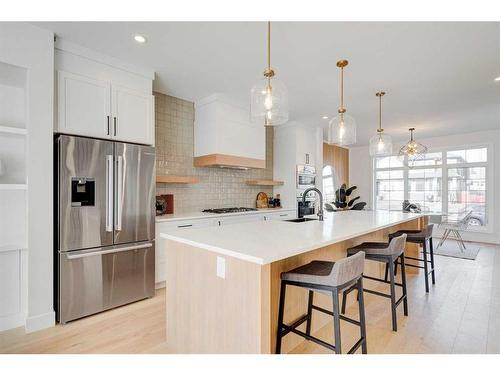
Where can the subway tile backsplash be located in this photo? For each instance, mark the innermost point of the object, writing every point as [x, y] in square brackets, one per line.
[218, 187]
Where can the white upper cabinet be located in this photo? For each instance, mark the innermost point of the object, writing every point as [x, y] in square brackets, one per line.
[101, 97]
[132, 115]
[84, 105]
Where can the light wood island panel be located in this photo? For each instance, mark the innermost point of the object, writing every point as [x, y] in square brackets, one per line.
[238, 314]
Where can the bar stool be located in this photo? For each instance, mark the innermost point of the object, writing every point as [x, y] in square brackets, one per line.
[420, 237]
[387, 253]
[328, 278]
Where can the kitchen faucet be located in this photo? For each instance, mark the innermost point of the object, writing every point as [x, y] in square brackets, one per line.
[320, 210]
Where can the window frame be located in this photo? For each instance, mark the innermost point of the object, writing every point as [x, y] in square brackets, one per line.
[489, 198]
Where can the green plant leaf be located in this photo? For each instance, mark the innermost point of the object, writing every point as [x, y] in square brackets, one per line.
[351, 202]
[350, 190]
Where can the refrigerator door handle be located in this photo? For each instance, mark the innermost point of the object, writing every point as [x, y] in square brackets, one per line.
[119, 192]
[109, 193]
[77, 255]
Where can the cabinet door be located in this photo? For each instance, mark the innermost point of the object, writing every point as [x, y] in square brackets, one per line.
[132, 116]
[84, 106]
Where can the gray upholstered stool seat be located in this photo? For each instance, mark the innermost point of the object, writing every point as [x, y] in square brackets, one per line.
[387, 253]
[373, 248]
[330, 278]
[421, 237]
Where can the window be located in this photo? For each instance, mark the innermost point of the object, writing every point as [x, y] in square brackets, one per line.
[329, 183]
[451, 181]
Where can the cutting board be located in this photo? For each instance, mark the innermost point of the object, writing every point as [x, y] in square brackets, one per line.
[262, 200]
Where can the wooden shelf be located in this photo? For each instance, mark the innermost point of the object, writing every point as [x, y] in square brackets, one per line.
[171, 179]
[264, 182]
[13, 130]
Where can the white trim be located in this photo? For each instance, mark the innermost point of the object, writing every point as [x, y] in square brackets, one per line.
[39, 322]
[75, 49]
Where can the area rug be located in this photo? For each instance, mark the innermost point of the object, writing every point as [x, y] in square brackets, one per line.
[451, 249]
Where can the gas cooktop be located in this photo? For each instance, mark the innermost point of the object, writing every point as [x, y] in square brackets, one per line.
[228, 210]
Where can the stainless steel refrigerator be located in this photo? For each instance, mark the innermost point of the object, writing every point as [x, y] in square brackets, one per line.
[105, 223]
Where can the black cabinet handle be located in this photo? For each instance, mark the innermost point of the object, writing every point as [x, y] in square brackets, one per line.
[114, 119]
[108, 125]
[184, 226]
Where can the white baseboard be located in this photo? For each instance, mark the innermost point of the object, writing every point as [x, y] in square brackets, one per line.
[42, 321]
[160, 285]
[12, 321]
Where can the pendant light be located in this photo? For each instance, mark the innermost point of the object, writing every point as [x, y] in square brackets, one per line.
[413, 150]
[269, 97]
[342, 128]
[380, 144]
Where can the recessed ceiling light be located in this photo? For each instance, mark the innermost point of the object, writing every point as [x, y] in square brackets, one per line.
[325, 117]
[140, 39]
[497, 79]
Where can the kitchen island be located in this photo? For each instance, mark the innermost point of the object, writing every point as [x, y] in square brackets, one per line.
[223, 282]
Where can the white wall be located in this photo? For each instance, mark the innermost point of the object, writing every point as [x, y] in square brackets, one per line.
[292, 142]
[361, 172]
[28, 46]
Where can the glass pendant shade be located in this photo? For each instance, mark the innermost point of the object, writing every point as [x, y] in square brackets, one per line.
[269, 102]
[342, 130]
[381, 145]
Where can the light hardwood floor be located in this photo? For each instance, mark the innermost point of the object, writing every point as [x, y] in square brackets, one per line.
[461, 314]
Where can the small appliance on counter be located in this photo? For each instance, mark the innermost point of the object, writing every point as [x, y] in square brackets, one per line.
[411, 207]
[262, 200]
[164, 204]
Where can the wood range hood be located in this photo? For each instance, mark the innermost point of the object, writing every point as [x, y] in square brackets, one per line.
[224, 137]
[228, 161]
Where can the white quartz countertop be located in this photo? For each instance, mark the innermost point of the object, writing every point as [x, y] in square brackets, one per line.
[206, 215]
[265, 242]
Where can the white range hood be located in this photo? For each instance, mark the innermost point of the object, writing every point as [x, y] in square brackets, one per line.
[225, 137]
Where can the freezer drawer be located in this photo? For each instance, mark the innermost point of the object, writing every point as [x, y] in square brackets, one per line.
[91, 281]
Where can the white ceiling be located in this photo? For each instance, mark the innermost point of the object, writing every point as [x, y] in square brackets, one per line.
[439, 77]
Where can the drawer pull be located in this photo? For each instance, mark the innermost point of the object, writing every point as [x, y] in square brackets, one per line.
[184, 226]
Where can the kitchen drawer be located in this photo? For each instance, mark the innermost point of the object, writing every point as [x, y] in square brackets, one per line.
[239, 219]
[282, 215]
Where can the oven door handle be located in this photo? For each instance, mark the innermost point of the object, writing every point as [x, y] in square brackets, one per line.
[87, 253]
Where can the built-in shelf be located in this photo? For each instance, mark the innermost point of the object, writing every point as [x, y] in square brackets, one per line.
[13, 186]
[13, 130]
[171, 179]
[5, 248]
[264, 182]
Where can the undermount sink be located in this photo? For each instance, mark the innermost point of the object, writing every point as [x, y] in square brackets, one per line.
[300, 220]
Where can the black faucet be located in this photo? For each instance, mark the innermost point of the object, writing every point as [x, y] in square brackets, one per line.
[320, 210]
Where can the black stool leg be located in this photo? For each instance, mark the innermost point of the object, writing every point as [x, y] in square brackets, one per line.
[362, 321]
[336, 321]
[393, 295]
[386, 275]
[280, 317]
[426, 269]
[431, 251]
[344, 297]
[309, 312]
[403, 282]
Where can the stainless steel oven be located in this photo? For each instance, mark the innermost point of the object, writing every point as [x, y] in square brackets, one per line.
[306, 176]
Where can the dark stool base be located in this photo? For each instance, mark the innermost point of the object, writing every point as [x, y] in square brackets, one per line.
[425, 261]
[284, 329]
[390, 271]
